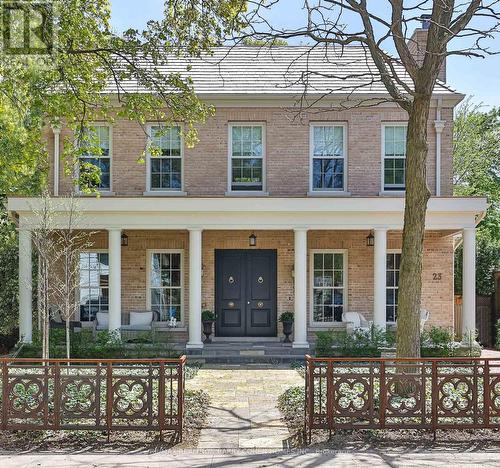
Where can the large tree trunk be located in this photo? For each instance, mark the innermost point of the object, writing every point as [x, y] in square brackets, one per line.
[417, 195]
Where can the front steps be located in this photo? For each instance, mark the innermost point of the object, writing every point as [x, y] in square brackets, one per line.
[247, 352]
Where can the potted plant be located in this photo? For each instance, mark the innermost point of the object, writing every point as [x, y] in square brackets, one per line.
[286, 318]
[208, 318]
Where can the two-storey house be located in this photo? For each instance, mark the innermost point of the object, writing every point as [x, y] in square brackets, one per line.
[273, 210]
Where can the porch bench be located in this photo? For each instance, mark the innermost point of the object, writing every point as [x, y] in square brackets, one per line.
[134, 321]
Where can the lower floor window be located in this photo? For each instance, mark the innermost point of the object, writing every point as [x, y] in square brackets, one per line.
[94, 284]
[165, 284]
[328, 286]
[392, 281]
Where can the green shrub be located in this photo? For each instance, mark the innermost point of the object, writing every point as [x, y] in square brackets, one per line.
[438, 342]
[207, 315]
[286, 317]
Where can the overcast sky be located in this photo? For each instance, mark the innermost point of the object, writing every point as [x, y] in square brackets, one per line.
[479, 78]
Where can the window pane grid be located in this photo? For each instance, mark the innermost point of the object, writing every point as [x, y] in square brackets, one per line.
[328, 287]
[246, 157]
[165, 285]
[392, 289]
[166, 168]
[101, 160]
[328, 157]
[394, 157]
[94, 284]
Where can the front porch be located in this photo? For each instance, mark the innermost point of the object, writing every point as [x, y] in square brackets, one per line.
[321, 262]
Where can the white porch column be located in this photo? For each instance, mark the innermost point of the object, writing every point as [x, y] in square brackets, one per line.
[115, 279]
[195, 252]
[25, 287]
[300, 287]
[379, 277]
[469, 284]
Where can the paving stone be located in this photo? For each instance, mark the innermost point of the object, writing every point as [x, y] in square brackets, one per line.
[242, 412]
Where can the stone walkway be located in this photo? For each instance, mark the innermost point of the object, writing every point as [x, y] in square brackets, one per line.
[243, 412]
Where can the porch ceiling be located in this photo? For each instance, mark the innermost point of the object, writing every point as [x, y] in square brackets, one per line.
[251, 213]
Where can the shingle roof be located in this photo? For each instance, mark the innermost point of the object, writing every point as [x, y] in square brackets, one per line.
[284, 70]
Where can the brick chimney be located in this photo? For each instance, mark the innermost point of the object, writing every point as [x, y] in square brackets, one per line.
[418, 41]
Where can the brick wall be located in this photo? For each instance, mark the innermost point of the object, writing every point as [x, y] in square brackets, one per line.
[287, 152]
[437, 295]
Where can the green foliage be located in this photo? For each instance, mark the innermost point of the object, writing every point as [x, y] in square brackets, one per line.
[207, 315]
[274, 42]
[291, 405]
[286, 317]
[476, 161]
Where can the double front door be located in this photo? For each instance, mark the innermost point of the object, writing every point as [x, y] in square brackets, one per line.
[245, 292]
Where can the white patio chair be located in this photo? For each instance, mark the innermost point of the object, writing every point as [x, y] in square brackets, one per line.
[424, 316]
[356, 321]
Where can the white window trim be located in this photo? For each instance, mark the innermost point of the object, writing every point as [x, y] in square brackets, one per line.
[79, 289]
[111, 165]
[312, 323]
[149, 253]
[163, 192]
[389, 251]
[328, 191]
[246, 193]
[383, 191]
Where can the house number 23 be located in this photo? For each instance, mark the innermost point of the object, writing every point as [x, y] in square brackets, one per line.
[436, 276]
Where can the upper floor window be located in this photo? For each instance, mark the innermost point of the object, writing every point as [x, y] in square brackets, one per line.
[392, 285]
[96, 152]
[165, 158]
[246, 151]
[328, 157]
[394, 156]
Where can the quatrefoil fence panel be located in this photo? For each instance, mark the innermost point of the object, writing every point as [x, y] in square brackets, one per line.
[381, 393]
[107, 395]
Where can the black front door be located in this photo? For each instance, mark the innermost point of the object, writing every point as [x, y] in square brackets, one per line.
[245, 292]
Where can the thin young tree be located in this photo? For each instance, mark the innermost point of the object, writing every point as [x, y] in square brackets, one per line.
[455, 28]
[48, 254]
[70, 242]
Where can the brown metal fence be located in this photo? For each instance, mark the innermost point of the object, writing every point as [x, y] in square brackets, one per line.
[89, 394]
[378, 393]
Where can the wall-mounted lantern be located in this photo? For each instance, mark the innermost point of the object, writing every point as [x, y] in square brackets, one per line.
[252, 240]
[124, 240]
[370, 240]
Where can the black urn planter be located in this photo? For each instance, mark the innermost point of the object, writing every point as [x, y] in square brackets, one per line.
[207, 330]
[287, 330]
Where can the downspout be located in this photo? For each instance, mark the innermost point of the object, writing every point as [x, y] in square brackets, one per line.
[439, 126]
[57, 134]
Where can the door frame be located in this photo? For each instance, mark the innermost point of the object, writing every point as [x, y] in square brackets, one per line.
[274, 299]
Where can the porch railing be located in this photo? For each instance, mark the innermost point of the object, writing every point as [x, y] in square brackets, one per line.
[385, 393]
[89, 394]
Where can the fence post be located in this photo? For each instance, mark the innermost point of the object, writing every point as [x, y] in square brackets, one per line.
[161, 399]
[486, 393]
[109, 398]
[180, 396]
[57, 396]
[329, 396]
[310, 396]
[383, 395]
[435, 398]
[5, 393]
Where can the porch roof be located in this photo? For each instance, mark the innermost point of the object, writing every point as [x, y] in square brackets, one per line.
[250, 212]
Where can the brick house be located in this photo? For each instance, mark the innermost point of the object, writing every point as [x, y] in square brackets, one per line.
[273, 210]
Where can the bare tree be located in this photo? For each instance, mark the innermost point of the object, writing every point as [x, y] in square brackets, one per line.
[45, 243]
[69, 243]
[454, 28]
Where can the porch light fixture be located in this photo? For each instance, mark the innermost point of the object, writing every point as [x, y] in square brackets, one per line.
[370, 240]
[124, 240]
[252, 240]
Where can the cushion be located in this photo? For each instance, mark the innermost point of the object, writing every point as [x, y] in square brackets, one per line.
[141, 319]
[102, 319]
[56, 315]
